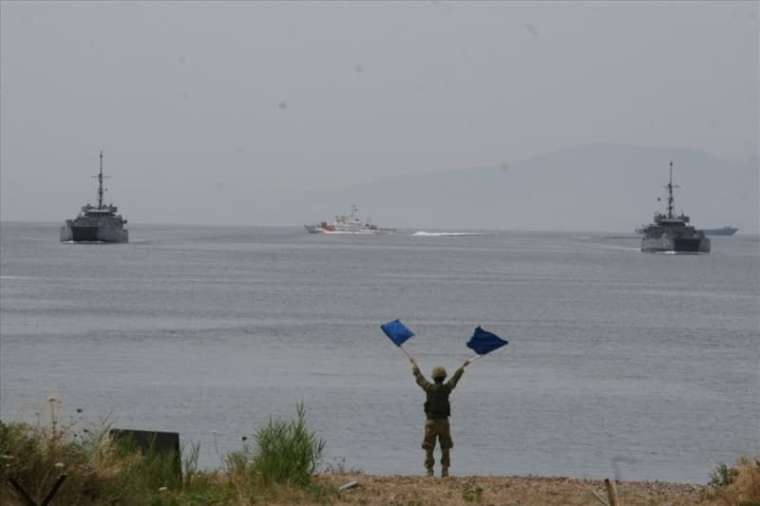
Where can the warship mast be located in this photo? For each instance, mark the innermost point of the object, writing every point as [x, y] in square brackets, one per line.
[670, 187]
[100, 182]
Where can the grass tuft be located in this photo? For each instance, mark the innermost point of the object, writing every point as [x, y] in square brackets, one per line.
[284, 458]
[723, 475]
[287, 452]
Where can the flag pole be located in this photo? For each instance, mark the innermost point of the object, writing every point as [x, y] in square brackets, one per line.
[473, 359]
[407, 353]
[476, 357]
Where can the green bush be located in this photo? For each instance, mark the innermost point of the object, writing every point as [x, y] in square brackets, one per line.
[287, 452]
[723, 475]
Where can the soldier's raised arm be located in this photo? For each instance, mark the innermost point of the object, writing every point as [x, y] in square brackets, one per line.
[457, 375]
[419, 378]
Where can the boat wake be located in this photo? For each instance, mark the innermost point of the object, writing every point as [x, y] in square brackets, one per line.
[619, 248]
[422, 233]
[681, 253]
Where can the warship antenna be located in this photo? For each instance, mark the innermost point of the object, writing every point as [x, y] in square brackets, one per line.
[100, 182]
[670, 187]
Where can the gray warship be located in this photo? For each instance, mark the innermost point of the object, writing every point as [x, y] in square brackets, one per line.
[96, 223]
[671, 233]
[725, 230]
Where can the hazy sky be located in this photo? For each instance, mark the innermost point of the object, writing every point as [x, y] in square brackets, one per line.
[223, 102]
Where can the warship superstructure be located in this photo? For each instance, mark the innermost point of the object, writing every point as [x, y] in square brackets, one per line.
[671, 233]
[96, 223]
[347, 224]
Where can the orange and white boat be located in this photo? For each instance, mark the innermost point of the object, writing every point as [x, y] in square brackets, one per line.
[348, 224]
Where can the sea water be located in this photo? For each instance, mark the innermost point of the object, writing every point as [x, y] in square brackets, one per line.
[619, 362]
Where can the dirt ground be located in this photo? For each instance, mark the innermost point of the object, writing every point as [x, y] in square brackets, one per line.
[510, 491]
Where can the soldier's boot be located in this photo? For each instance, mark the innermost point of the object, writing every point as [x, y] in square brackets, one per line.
[445, 462]
[429, 461]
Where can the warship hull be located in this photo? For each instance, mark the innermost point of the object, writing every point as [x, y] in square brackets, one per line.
[675, 244]
[103, 232]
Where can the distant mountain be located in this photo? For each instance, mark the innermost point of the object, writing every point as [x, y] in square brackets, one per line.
[604, 187]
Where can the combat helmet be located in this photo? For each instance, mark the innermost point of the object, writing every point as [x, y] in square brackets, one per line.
[439, 373]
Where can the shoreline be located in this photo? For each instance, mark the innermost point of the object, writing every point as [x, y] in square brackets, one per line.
[281, 468]
[510, 490]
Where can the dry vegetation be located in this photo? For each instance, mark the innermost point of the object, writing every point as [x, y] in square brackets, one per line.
[739, 485]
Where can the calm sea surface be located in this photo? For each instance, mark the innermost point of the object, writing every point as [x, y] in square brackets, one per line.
[643, 363]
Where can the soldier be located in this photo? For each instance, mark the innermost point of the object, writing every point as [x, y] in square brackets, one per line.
[437, 411]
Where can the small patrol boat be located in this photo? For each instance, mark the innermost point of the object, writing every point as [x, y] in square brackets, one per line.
[96, 223]
[348, 224]
[671, 233]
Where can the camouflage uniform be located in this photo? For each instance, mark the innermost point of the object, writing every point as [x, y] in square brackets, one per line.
[437, 411]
